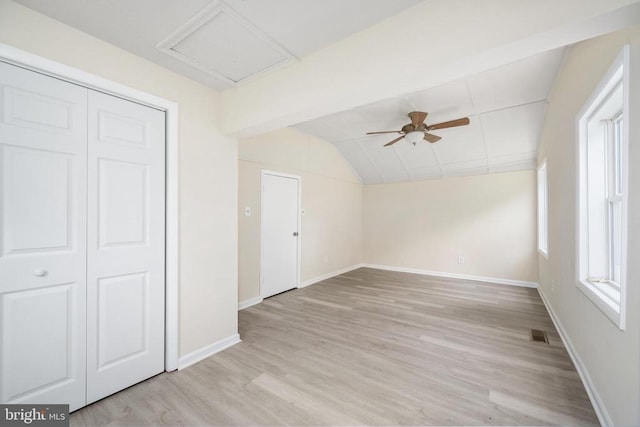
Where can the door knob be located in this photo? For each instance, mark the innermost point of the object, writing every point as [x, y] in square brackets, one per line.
[295, 233]
[40, 272]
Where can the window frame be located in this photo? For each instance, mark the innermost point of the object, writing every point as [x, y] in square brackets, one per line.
[543, 209]
[608, 296]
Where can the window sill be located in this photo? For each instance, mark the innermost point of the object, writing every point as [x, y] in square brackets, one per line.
[603, 300]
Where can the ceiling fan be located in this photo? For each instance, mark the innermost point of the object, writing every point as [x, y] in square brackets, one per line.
[418, 130]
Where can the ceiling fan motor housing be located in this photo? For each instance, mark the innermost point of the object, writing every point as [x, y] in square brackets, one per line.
[411, 128]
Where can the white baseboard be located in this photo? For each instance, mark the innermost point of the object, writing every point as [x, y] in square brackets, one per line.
[497, 280]
[598, 405]
[249, 302]
[210, 350]
[329, 275]
[257, 300]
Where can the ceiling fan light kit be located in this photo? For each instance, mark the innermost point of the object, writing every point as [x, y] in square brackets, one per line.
[417, 130]
[414, 137]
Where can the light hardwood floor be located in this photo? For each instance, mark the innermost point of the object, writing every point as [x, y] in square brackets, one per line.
[372, 347]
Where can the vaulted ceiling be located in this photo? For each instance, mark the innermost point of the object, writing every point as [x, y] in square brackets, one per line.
[340, 68]
[506, 108]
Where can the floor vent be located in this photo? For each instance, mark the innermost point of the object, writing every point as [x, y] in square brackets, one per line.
[539, 336]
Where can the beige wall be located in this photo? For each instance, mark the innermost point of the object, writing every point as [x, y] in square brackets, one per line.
[611, 357]
[426, 225]
[208, 167]
[331, 234]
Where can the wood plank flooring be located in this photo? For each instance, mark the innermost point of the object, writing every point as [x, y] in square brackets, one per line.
[372, 347]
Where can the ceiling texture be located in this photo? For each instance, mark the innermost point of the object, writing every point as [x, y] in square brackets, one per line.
[506, 107]
[230, 45]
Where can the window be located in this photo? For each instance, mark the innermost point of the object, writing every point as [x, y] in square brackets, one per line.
[602, 200]
[542, 210]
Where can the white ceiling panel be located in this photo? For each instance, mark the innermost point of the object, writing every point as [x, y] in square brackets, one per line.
[513, 158]
[514, 162]
[390, 114]
[417, 156]
[515, 165]
[399, 177]
[388, 164]
[222, 43]
[384, 158]
[460, 144]
[443, 103]
[513, 130]
[472, 167]
[426, 173]
[321, 22]
[522, 82]
[359, 161]
[352, 124]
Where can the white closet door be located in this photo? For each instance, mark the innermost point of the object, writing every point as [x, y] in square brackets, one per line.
[42, 238]
[125, 282]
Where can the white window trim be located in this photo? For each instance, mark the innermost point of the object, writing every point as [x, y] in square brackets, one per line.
[543, 215]
[598, 293]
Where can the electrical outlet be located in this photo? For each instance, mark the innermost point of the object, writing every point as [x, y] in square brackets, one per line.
[460, 259]
[326, 259]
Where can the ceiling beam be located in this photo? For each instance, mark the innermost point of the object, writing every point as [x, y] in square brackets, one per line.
[430, 44]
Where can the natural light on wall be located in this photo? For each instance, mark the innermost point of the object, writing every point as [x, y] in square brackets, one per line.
[602, 196]
[543, 221]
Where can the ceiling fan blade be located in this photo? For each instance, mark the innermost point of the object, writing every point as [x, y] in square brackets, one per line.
[431, 137]
[449, 124]
[394, 141]
[384, 131]
[417, 118]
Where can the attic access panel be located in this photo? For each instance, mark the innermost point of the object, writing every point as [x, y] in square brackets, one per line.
[223, 44]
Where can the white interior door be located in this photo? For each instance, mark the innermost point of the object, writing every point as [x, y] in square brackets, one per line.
[279, 234]
[42, 238]
[125, 258]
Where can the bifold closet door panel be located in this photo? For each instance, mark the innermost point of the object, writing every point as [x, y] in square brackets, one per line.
[43, 130]
[125, 255]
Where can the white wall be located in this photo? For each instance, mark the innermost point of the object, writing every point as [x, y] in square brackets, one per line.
[611, 357]
[207, 169]
[426, 225]
[331, 233]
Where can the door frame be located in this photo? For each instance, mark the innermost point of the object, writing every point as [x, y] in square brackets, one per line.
[30, 61]
[298, 178]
